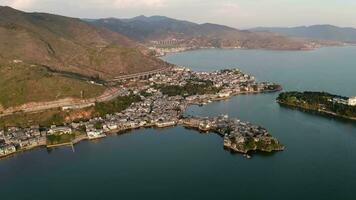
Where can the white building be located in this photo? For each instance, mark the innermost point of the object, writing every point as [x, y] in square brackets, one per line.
[165, 124]
[352, 101]
[95, 134]
[60, 130]
[224, 94]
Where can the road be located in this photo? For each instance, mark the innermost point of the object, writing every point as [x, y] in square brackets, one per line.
[142, 74]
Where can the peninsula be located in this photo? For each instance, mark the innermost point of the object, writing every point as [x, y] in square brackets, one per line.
[157, 101]
[321, 103]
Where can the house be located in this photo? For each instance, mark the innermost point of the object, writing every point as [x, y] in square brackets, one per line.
[165, 124]
[352, 101]
[7, 149]
[60, 130]
[340, 100]
[95, 134]
[112, 126]
[224, 94]
[205, 126]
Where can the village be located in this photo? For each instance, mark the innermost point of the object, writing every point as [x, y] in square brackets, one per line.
[164, 99]
[238, 136]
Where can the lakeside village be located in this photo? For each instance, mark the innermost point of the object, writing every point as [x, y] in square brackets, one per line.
[163, 100]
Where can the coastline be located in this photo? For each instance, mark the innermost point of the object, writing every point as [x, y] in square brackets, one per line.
[235, 48]
[164, 107]
[316, 111]
[262, 49]
[152, 125]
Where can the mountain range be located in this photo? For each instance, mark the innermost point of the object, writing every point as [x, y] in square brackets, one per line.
[45, 57]
[70, 45]
[318, 32]
[159, 28]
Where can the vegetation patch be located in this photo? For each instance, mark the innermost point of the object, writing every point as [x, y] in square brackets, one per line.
[117, 105]
[145, 94]
[318, 101]
[46, 118]
[60, 139]
[21, 84]
[193, 87]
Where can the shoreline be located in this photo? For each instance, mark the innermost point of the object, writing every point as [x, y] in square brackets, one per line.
[261, 49]
[234, 48]
[324, 113]
[22, 151]
[227, 144]
[147, 126]
[164, 108]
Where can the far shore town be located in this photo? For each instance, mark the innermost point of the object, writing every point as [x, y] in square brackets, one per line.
[164, 98]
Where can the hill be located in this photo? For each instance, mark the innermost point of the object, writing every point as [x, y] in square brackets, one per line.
[20, 84]
[70, 45]
[164, 31]
[318, 32]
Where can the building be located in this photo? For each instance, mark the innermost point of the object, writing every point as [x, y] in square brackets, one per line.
[205, 126]
[340, 100]
[60, 130]
[7, 149]
[95, 134]
[224, 94]
[165, 124]
[352, 101]
[110, 127]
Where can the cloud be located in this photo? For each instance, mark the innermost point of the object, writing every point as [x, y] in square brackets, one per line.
[139, 3]
[21, 4]
[228, 8]
[238, 13]
[117, 4]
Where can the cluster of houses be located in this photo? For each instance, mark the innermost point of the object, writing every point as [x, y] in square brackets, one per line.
[235, 132]
[352, 101]
[154, 110]
[346, 101]
[15, 138]
[230, 82]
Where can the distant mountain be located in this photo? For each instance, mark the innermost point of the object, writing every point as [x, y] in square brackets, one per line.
[158, 28]
[318, 32]
[70, 45]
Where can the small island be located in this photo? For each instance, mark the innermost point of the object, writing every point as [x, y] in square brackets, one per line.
[321, 103]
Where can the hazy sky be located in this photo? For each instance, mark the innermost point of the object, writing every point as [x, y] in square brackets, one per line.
[236, 13]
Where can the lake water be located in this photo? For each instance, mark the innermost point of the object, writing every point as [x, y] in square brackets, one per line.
[319, 161]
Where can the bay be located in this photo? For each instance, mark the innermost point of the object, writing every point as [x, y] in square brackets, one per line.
[318, 163]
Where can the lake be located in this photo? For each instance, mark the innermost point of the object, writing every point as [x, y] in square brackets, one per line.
[319, 161]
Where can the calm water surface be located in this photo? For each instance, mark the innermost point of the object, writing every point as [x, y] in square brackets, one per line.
[319, 162]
